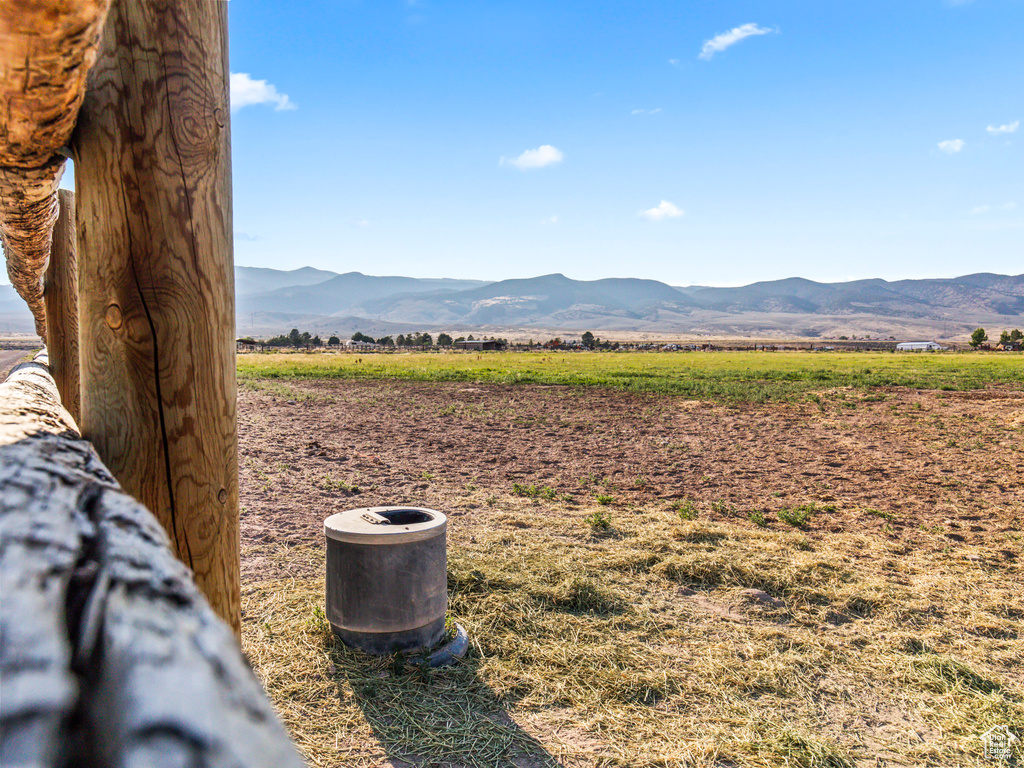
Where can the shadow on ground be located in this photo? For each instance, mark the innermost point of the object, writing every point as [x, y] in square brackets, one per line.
[436, 717]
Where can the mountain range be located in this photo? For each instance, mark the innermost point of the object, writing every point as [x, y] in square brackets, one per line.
[271, 301]
[14, 315]
[943, 308]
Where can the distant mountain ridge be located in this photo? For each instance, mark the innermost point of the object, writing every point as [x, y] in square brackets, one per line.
[271, 301]
[529, 301]
[14, 314]
[999, 294]
[337, 294]
[256, 280]
[950, 306]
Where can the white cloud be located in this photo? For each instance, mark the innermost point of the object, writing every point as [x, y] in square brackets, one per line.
[1009, 206]
[535, 158]
[645, 111]
[664, 210]
[245, 236]
[245, 92]
[719, 43]
[951, 146]
[673, 62]
[360, 222]
[1008, 128]
[550, 220]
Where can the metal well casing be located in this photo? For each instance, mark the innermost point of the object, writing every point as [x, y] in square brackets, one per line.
[387, 584]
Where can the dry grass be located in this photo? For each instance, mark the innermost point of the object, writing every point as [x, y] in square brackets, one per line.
[636, 646]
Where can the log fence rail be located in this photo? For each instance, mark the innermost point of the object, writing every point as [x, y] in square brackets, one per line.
[110, 655]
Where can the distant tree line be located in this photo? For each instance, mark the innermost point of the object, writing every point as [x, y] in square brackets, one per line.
[587, 341]
[420, 340]
[305, 340]
[295, 339]
[417, 340]
[979, 337]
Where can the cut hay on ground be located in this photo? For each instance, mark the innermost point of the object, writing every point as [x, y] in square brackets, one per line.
[637, 646]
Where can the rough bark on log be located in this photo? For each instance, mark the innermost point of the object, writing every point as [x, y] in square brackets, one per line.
[109, 655]
[46, 49]
[60, 292]
[28, 210]
[153, 197]
[38, 555]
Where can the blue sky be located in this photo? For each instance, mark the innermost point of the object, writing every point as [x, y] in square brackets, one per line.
[695, 143]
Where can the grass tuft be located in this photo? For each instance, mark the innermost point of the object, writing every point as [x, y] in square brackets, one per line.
[534, 492]
[946, 674]
[599, 520]
[686, 510]
[798, 517]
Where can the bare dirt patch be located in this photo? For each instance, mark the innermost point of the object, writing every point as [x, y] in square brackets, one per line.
[936, 470]
[880, 625]
[10, 358]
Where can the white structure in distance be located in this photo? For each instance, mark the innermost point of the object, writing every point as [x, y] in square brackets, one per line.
[919, 346]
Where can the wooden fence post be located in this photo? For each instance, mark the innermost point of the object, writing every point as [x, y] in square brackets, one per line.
[156, 275]
[60, 297]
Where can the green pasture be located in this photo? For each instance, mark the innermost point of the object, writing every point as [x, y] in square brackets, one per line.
[743, 376]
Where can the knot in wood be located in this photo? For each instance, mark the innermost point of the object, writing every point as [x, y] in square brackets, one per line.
[197, 125]
[114, 317]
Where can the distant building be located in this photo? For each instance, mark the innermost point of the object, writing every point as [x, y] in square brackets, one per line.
[360, 345]
[479, 344]
[919, 346]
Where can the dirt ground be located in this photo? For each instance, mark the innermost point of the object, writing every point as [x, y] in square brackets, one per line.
[10, 358]
[937, 470]
[900, 587]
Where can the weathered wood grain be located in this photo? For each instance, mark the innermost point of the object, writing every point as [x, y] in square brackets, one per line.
[153, 197]
[109, 655]
[60, 294]
[46, 49]
[38, 555]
